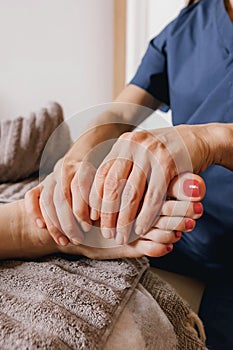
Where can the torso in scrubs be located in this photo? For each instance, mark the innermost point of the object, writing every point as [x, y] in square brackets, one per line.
[189, 67]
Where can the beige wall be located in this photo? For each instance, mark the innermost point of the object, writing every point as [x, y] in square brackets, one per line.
[55, 50]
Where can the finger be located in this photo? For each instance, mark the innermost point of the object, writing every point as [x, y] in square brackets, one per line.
[66, 218]
[153, 200]
[193, 210]
[130, 202]
[65, 171]
[113, 187]
[50, 217]
[96, 193]
[80, 189]
[175, 224]
[187, 186]
[32, 206]
[162, 236]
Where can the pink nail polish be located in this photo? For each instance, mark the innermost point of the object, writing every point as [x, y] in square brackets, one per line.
[178, 234]
[169, 248]
[191, 188]
[189, 224]
[197, 207]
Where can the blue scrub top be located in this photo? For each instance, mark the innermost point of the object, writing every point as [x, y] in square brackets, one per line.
[189, 67]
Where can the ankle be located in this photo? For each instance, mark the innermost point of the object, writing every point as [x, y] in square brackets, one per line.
[33, 240]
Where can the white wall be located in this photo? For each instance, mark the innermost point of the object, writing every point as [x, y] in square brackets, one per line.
[145, 19]
[55, 50]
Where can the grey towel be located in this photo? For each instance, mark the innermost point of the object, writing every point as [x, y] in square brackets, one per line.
[22, 142]
[58, 303]
[25, 150]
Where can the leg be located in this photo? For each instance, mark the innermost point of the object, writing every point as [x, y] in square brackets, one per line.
[18, 238]
[216, 312]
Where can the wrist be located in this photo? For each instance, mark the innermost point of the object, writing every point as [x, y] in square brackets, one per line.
[199, 142]
[220, 138]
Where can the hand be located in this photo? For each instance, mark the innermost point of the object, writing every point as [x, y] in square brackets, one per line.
[159, 241]
[132, 181]
[51, 203]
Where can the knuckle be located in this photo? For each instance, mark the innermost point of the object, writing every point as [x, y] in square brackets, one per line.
[106, 217]
[30, 194]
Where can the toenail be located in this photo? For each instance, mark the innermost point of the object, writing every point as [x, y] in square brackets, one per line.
[189, 224]
[197, 207]
[191, 188]
[178, 234]
[169, 248]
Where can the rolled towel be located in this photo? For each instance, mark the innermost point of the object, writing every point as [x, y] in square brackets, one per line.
[23, 140]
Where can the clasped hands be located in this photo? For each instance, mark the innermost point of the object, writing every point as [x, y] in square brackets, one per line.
[143, 186]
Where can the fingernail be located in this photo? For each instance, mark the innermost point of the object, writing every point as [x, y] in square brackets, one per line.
[119, 239]
[107, 232]
[197, 207]
[63, 240]
[169, 248]
[189, 224]
[138, 230]
[178, 234]
[191, 188]
[40, 223]
[85, 226]
[94, 215]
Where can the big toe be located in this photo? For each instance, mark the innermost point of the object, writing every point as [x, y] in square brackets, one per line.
[187, 186]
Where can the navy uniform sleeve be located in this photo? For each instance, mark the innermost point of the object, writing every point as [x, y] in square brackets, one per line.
[152, 73]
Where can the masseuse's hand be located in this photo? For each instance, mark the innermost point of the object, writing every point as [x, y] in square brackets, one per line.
[132, 182]
[51, 204]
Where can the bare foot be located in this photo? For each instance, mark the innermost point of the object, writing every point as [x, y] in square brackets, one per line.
[20, 238]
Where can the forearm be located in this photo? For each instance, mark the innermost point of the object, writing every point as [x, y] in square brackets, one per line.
[106, 127]
[208, 144]
[131, 107]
